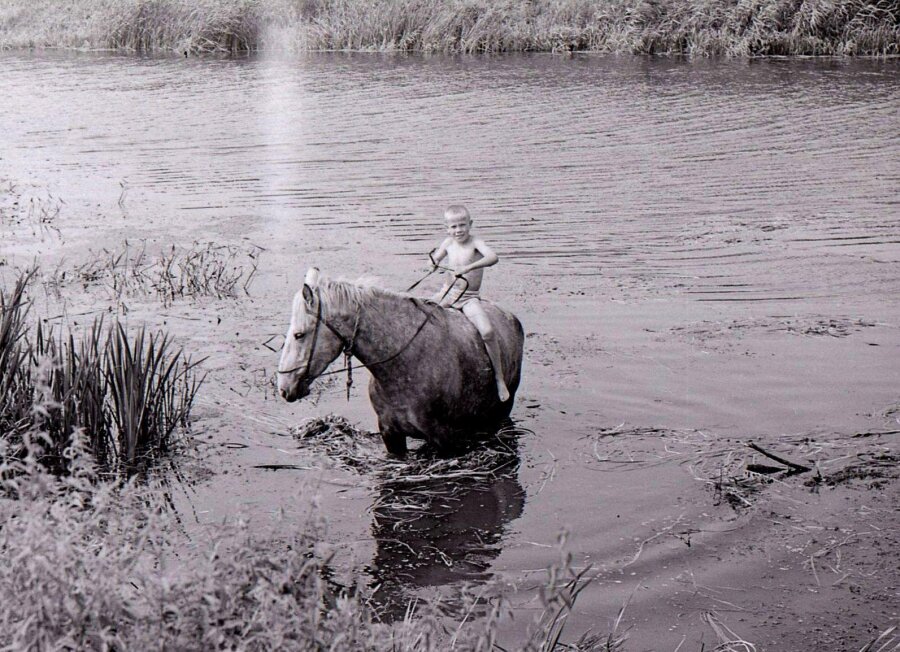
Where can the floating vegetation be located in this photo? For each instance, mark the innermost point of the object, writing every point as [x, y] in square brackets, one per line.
[712, 28]
[411, 487]
[731, 468]
[432, 516]
[722, 335]
[339, 440]
[363, 451]
[30, 207]
[875, 469]
[202, 270]
[128, 393]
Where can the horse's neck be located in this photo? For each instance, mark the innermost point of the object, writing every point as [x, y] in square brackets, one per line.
[387, 324]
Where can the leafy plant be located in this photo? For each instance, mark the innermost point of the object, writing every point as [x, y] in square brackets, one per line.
[128, 393]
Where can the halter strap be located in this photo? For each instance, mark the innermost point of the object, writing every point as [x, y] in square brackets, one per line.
[348, 344]
[312, 349]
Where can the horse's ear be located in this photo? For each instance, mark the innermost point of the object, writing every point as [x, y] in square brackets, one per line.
[307, 295]
[312, 277]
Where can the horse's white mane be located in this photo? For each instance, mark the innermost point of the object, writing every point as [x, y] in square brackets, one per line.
[341, 295]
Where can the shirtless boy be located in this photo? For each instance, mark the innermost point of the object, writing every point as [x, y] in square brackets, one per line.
[467, 255]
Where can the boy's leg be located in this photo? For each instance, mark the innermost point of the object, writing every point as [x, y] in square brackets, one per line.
[473, 310]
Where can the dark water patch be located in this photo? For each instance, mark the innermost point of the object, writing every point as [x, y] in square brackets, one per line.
[435, 520]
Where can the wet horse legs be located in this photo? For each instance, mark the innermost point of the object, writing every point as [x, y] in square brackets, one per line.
[394, 442]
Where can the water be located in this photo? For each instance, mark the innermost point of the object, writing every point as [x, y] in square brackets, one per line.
[671, 233]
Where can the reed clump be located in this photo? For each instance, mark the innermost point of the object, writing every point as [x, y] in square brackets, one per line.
[705, 28]
[129, 393]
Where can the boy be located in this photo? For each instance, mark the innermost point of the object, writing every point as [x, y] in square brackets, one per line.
[467, 255]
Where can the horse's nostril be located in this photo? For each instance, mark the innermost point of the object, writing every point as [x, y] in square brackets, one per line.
[284, 393]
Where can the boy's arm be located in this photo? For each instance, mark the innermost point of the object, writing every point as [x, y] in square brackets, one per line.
[488, 258]
[441, 252]
[436, 257]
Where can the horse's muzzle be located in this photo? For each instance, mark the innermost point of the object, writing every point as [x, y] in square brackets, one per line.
[294, 392]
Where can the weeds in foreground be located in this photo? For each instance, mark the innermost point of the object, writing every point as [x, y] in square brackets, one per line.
[128, 393]
[706, 28]
[104, 565]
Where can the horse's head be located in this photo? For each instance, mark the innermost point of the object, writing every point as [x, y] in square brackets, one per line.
[310, 345]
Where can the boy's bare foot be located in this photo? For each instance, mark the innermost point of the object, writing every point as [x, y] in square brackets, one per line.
[502, 391]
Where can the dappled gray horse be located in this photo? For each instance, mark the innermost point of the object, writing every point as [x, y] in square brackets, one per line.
[431, 375]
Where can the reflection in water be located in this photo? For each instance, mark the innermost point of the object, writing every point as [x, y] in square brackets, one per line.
[443, 529]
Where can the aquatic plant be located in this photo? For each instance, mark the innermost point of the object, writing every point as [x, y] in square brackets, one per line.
[69, 392]
[150, 392]
[30, 207]
[16, 389]
[708, 27]
[176, 272]
[128, 393]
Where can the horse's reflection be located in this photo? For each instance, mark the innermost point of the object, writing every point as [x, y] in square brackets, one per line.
[443, 529]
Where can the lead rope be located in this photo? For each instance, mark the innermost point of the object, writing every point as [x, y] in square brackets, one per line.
[347, 363]
[348, 353]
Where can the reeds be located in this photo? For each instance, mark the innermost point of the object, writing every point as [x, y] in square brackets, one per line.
[30, 207]
[706, 28]
[128, 393]
[201, 270]
[16, 388]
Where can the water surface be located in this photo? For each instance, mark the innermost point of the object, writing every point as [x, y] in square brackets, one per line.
[703, 245]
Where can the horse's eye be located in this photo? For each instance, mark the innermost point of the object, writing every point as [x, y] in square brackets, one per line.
[299, 335]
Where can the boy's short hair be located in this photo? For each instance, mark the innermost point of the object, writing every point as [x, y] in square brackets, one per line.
[457, 210]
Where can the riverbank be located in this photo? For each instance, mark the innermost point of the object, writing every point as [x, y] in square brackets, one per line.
[711, 28]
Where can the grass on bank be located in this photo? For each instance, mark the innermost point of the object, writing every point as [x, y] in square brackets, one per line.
[705, 27]
[129, 392]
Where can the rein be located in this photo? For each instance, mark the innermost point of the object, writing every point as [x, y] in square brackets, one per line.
[435, 267]
[347, 349]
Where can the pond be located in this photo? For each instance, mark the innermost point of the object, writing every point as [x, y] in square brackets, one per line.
[703, 248]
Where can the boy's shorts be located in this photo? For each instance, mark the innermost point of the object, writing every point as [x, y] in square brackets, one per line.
[464, 298]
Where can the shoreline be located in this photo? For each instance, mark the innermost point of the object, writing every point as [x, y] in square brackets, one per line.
[669, 27]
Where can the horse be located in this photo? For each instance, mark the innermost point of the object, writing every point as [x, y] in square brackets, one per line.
[431, 378]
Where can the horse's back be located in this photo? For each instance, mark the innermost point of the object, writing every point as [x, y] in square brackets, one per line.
[508, 330]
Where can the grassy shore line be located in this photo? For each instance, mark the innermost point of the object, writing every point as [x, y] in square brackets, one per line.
[703, 28]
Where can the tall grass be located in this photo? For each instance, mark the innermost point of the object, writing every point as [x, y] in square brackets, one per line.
[704, 27]
[129, 393]
[150, 391]
[16, 388]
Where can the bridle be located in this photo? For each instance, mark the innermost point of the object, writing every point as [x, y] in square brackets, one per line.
[436, 267]
[348, 345]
